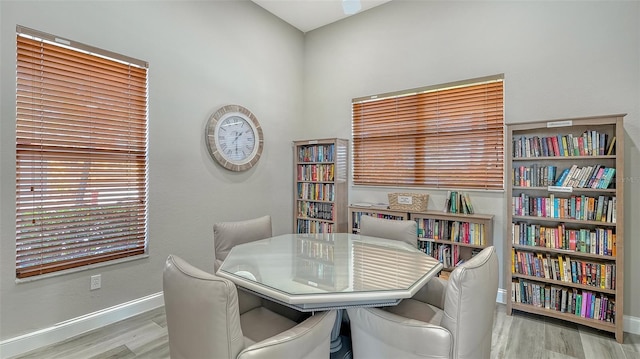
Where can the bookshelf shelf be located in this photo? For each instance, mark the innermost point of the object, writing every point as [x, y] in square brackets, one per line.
[472, 232]
[597, 324]
[565, 220]
[562, 251]
[586, 190]
[320, 185]
[563, 283]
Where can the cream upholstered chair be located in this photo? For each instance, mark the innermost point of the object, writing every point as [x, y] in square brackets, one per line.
[204, 321]
[445, 319]
[405, 231]
[226, 235]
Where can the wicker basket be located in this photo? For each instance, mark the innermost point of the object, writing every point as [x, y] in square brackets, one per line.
[416, 202]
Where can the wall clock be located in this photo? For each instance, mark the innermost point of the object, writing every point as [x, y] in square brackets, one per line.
[234, 138]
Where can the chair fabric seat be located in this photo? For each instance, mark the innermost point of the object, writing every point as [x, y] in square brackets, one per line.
[260, 323]
[415, 309]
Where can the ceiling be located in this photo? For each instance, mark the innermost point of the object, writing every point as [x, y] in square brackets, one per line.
[307, 15]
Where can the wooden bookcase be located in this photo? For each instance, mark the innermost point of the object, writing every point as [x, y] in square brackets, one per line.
[320, 185]
[355, 212]
[448, 237]
[564, 236]
[453, 238]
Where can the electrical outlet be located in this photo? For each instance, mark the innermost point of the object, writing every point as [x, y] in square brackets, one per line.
[96, 281]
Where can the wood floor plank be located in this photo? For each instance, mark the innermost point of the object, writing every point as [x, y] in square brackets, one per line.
[501, 328]
[599, 346]
[119, 352]
[630, 354]
[631, 342]
[563, 338]
[526, 337]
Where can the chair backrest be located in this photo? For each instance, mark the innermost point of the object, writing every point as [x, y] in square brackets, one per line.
[202, 312]
[469, 304]
[405, 231]
[228, 234]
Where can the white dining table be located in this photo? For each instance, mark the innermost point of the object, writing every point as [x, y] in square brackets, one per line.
[315, 272]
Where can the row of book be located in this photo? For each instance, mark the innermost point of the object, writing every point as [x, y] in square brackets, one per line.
[316, 191]
[311, 226]
[448, 255]
[590, 143]
[455, 231]
[316, 172]
[315, 250]
[316, 210]
[357, 215]
[534, 176]
[582, 303]
[600, 241]
[316, 153]
[596, 177]
[564, 268]
[585, 208]
[458, 202]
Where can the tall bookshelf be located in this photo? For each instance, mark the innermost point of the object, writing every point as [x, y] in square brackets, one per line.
[320, 185]
[565, 232]
[451, 238]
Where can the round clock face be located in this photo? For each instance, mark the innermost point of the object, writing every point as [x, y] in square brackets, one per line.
[234, 138]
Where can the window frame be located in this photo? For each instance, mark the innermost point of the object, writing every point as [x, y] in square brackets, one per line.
[81, 156]
[395, 134]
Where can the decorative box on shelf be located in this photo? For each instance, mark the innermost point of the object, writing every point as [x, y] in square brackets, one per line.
[416, 202]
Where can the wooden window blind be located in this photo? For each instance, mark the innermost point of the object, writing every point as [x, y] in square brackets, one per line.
[81, 155]
[445, 136]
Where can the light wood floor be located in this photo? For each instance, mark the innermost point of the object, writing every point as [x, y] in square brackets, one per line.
[518, 336]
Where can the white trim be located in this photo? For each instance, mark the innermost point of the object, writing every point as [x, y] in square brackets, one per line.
[501, 296]
[76, 326]
[631, 324]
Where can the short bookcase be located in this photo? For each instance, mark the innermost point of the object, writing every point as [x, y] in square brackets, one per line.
[451, 238]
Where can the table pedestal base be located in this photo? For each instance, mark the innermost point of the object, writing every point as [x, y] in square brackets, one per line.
[340, 344]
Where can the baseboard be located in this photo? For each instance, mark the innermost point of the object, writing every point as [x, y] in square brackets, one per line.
[68, 329]
[76, 326]
[631, 324]
[501, 297]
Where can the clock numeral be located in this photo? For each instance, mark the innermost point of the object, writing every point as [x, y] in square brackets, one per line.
[223, 145]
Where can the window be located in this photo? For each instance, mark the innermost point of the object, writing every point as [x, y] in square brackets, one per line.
[444, 136]
[81, 155]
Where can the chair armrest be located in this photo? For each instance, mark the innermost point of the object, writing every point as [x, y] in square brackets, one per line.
[309, 339]
[378, 333]
[433, 292]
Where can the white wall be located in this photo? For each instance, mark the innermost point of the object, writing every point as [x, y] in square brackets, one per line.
[559, 59]
[202, 55]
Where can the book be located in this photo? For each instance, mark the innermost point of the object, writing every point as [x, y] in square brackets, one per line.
[563, 177]
[612, 147]
[607, 177]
